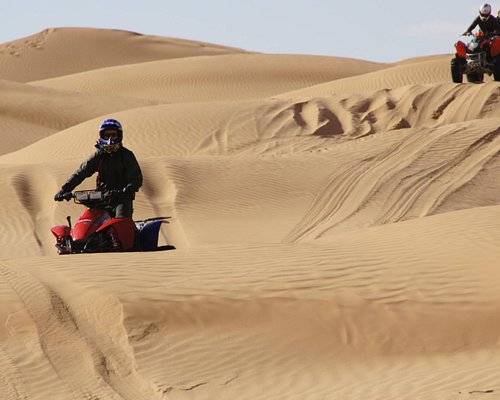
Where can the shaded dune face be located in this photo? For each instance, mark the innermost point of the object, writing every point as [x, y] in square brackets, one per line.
[335, 224]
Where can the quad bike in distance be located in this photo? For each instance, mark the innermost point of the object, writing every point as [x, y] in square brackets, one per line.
[478, 57]
[96, 231]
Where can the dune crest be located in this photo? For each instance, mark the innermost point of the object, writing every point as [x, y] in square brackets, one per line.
[63, 51]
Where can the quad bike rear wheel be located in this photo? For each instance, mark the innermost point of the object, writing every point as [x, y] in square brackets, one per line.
[496, 68]
[456, 70]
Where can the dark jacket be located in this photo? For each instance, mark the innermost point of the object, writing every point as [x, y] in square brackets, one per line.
[116, 171]
[489, 26]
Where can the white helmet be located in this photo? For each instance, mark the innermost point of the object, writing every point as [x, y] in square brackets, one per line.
[485, 11]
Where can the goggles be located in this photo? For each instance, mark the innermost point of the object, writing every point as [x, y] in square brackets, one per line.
[109, 135]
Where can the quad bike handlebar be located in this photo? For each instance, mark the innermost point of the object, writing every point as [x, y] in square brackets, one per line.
[481, 35]
[91, 197]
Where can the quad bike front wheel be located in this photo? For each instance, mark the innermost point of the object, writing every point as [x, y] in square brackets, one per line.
[476, 77]
[64, 245]
[456, 70]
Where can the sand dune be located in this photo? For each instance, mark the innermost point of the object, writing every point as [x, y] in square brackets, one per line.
[30, 114]
[63, 51]
[432, 70]
[335, 224]
[200, 79]
[267, 127]
[392, 177]
[199, 326]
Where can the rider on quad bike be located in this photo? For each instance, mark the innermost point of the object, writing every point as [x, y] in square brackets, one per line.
[488, 24]
[482, 54]
[118, 173]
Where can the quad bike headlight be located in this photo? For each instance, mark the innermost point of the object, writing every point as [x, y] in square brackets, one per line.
[472, 46]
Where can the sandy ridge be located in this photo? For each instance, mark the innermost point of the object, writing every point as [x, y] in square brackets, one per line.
[63, 51]
[412, 72]
[268, 127]
[222, 77]
[30, 114]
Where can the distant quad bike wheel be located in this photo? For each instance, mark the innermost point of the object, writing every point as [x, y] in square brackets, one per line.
[496, 70]
[476, 77]
[456, 70]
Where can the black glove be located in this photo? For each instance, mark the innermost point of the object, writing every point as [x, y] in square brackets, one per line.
[59, 196]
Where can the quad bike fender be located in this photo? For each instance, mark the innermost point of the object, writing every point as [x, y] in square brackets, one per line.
[495, 46]
[124, 228]
[61, 231]
[148, 235]
[461, 49]
[88, 223]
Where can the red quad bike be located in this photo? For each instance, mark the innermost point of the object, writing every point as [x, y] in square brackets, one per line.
[480, 56]
[96, 232]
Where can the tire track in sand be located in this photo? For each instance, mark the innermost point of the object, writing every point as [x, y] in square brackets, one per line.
[346, 190]
[83, 339]
[390, 179]
[424, 192]
[11, 382]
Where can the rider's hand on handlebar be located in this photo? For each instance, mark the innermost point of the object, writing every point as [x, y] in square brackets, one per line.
[467, 33]
[59, 196]
[62, 195]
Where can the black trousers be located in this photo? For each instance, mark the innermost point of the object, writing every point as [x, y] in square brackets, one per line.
[124, 209]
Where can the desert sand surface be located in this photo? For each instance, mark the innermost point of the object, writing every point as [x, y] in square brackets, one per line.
[335, 224]
[63, 51]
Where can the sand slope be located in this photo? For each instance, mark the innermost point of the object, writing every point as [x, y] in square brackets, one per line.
[30, 114]
[417, 71]
[62, 51]
[333, 241]
[414, 316]
[227, 77]
[275, 126]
